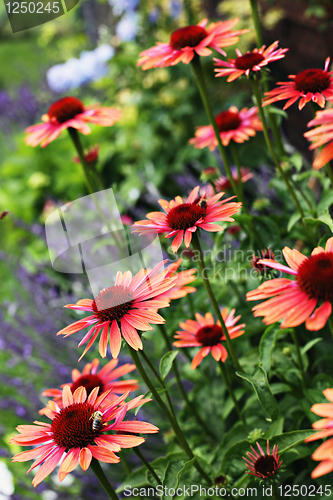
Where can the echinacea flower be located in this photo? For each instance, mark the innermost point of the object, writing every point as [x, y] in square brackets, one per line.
[90, 156]
[183, 278]
[90, 378]
[74, 432]
[208, 335]
[265, 254]
[233, 124]
[324, 453]
[122, 309]
[182, 219]
[69, 112]
[224, 184]
[190, 40]
[322, 134]
[309, 85]
[264, 465]
[251, 61]
[295, 301]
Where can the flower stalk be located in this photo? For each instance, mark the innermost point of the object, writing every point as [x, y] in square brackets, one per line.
[199, 78]
[99, 473]
[147, 465]
[209, 290]
[181, 387]
[178, 432]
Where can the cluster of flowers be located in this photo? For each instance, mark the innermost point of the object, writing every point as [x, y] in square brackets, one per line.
[81, 412]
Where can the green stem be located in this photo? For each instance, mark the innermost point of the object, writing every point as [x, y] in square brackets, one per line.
[209, 290]
[276, 495]
[256, 92]
[160, 381]
[99, 473]
[299, 356]
[178, 432]
[235, 157]
[181, 387]
[74, 135]
[226, 380]
[256, 22]
[147, 464]
[124, 462]
[272, 118]
[199, 77]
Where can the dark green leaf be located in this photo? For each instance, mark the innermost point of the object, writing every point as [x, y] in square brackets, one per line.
[261, 387]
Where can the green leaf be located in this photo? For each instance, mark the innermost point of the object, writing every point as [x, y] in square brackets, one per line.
[324, 218]
[290, 439]
[325, 202]
[296, 160]
[267, 344]
[166, 363]
[175, 470]
[292, 221]
[310, 344]
[261, 387]
[275, 428]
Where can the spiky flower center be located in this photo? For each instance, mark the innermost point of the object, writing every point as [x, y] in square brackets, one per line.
[72, 427]
[112, 303]
[189, 36]
[266, 466]
[228, 120]
[209, 335]
[185, 215]
[315, 276]
[89, 382]
[65, 109]
[247, 61]
[312, 80]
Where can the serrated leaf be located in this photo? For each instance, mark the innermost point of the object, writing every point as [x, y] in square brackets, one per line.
[261, 387]
[166, 363]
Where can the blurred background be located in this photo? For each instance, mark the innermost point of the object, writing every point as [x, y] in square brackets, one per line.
[91, 53]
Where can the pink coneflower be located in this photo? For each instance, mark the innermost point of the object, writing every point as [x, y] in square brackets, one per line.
[72, 432]
[255, 261]
[90, 156]
[233, 124]
[186, 41]
[183, 278]
[310, 85]
[90, 378]
[251, 61]
[224, 184]
[264, 465]
[208, 335]
[122, 309]
[295, 301]
[324, 452]
[182, 219]
[322, 134]
[69, 112]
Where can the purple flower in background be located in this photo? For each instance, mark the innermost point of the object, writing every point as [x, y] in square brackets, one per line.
[127, 27]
